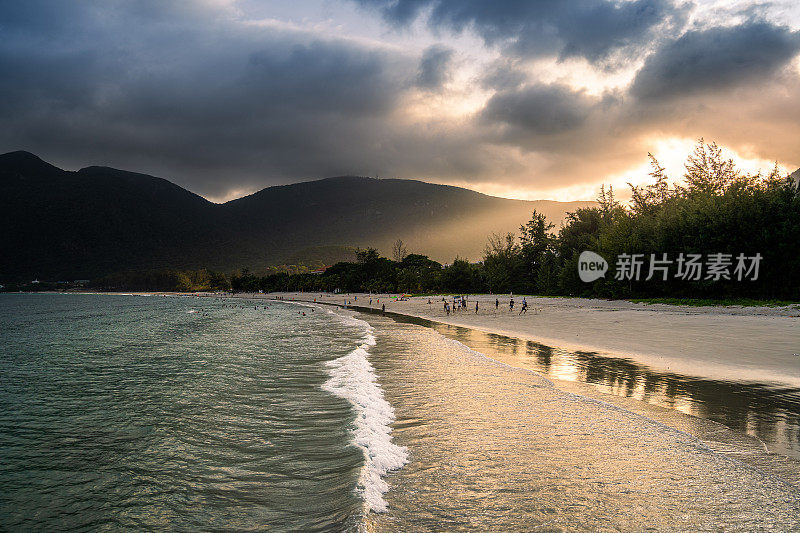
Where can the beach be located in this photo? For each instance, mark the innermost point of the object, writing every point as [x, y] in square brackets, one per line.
[699, 341]
[670, 417]
[732, 365]
[332, 415]
[498, 448]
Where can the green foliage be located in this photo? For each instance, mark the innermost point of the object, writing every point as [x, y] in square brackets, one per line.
[706, 302]
[503, 264]
[462, 277]
[164, 280]
[718, 210]
[536, 249]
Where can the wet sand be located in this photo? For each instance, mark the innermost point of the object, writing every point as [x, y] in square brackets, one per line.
[584, 440]
[496, 448]
[734, 366]
[753, 344]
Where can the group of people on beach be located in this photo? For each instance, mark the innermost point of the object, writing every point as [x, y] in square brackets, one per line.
[460, 304]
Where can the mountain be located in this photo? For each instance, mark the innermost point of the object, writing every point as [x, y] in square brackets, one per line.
[59, 224]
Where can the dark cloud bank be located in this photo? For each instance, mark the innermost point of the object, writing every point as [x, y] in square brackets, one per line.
[217, 105]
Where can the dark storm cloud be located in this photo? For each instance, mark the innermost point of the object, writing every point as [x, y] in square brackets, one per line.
[538, 109]
[593, 29]
[212, 105]
[320, 77]
[202, 95]
[716, 58]
[503, 75]
[434, 67]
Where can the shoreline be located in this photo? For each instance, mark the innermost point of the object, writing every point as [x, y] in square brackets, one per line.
[681, 416]
[693, 341]
[417, 311]
[720, 438]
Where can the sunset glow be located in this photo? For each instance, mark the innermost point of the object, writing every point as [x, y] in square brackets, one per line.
[541, 102]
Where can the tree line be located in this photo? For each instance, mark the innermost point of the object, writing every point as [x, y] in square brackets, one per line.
[716, 216]
[718, 213]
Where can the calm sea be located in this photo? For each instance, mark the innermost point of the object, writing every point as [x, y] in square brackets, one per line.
[155, 413]
[133, 412]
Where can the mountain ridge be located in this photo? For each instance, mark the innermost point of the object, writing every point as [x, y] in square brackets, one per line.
[98, 220]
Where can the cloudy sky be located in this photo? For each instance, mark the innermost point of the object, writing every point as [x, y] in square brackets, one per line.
[523, 99]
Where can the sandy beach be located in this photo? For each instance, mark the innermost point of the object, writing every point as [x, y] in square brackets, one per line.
[755, 344]
[395, 423]
[733, 366]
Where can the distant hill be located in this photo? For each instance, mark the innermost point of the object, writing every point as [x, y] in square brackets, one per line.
[59, 224]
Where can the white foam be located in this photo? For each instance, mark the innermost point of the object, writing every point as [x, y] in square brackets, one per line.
[353, 378]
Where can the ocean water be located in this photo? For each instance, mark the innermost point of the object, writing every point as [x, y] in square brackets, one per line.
[494, 447]
[153, 413]
[766, 410]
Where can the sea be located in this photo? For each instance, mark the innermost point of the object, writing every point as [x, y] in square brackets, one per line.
[152, 412]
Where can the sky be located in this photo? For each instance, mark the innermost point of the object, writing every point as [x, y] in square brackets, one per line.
[543, 99]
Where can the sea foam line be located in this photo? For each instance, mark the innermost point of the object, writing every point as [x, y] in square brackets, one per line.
[353, 378]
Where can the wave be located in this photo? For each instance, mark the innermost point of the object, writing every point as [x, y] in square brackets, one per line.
[353, 378]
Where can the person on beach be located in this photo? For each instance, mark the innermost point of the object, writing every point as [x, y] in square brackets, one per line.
[524, 307]
[496, 303]
[511, 305]
[476, 307]
[446, 308]
[383, 308]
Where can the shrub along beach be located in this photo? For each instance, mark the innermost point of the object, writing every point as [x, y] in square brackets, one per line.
[718, 211]
[723, 235]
